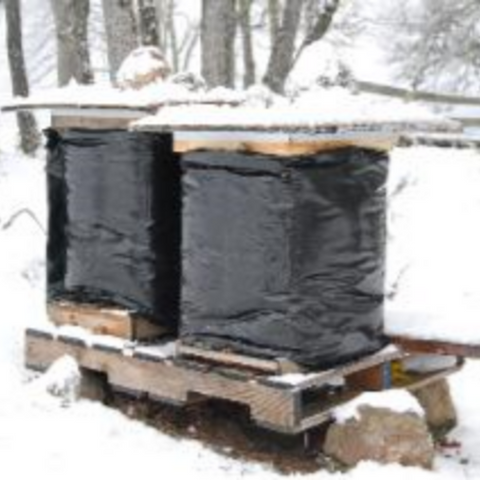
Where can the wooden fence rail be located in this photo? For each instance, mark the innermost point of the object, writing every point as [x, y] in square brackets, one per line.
[444, 141]
[415, 95]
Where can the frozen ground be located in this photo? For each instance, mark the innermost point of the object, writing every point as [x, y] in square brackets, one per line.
[42, 437]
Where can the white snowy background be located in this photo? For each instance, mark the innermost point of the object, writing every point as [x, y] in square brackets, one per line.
[434, 243]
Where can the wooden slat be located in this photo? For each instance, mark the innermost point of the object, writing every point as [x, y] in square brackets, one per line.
[103, 321]
[411, 345]
[227, 358]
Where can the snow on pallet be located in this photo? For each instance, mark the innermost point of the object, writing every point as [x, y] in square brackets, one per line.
[288, 403]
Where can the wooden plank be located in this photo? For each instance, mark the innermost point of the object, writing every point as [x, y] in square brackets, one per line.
[284, 149]
[103, 321]
[412, 345]
[227, 358]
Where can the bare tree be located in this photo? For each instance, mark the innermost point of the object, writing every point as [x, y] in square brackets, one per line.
[218, 42]
[319, 18]
[30, 138]
[178, 33]
[172, 34]
[245, 22]
[73, 57]
[121, 28]
[148, 21]
[436, 43]
[274, 19]
[283, 48]
[284, 53]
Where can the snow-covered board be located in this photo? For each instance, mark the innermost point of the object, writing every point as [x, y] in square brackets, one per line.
[84, 98]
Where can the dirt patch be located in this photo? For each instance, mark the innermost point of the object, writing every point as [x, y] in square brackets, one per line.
[227, 429]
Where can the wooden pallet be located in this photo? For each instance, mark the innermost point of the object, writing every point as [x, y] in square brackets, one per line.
[116, 322]
[290, 403]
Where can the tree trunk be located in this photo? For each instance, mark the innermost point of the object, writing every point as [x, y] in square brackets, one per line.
[273, 19]
[218, 42]
[319, 25]
[29, 136]
[281, 57]
[71, 22]
[161, 22]
[247, 42]
[121, 30]
[148, 23]
[172, 35]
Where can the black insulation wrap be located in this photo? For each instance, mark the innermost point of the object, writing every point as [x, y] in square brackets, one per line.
[114, 220]
[285, 258]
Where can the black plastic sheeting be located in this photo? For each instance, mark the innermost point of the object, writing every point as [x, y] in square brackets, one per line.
[285, 258]
[114, 221]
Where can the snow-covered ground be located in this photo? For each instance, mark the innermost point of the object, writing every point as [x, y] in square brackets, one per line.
[433, 229]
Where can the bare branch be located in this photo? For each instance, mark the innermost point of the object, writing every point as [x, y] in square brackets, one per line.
[24, 211]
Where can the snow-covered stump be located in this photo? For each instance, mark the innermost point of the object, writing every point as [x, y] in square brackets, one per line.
[391, 430]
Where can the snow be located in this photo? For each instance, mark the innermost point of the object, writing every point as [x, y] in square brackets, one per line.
[141, 62]
[433, 255]
[166, 350]
[399, 401]
[316, 107]
[61, 380]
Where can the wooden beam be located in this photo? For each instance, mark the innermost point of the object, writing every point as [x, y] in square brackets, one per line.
[411, 345]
